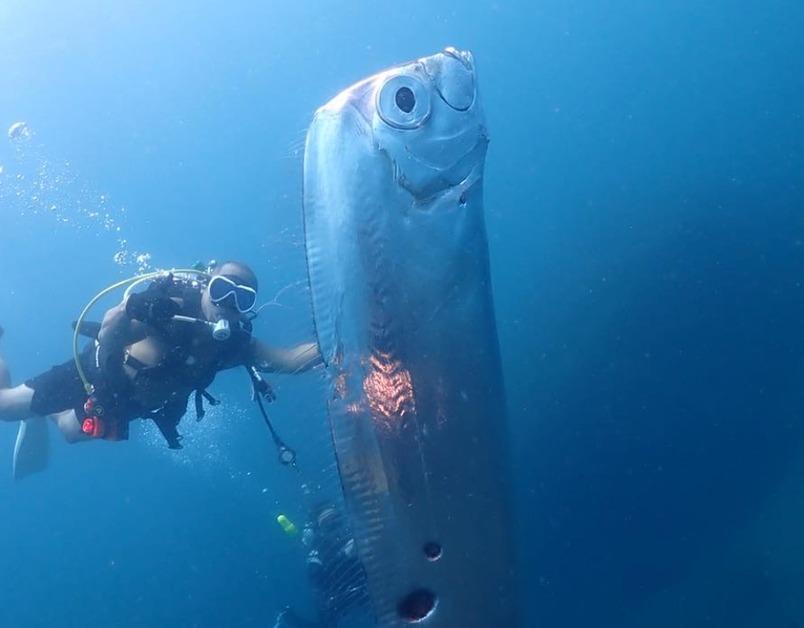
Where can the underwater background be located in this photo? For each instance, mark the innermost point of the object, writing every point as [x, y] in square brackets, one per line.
[644, 205]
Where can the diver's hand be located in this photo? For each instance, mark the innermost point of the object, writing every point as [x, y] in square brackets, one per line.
[150, 307]
[267, 392]
[288, 618]
[280, 618]
[259, 387]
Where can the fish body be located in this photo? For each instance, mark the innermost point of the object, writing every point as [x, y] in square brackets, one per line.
[398, 265]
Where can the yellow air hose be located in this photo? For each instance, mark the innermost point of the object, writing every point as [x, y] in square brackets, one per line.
[130, 282]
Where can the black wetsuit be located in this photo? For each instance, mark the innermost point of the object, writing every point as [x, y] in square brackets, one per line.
[61, 388]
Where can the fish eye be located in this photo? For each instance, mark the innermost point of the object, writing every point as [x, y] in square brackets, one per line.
[403, 102]
[405, 99]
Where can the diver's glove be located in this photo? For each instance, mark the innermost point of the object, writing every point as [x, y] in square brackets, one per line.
[263, 389]
[151, 307]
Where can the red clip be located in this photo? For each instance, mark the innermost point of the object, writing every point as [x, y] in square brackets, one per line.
[92, 426]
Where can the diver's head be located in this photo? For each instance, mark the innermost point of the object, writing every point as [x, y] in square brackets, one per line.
[326, 519]
[230, 293]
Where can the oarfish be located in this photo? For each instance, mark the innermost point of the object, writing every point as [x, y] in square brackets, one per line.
[398, 265]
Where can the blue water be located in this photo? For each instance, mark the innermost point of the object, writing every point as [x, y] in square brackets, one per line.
[644, 205]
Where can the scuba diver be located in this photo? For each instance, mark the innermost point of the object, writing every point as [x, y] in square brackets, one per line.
[149, 355]
[334, 570]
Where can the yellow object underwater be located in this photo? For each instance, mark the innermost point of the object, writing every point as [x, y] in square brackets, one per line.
[286, 524]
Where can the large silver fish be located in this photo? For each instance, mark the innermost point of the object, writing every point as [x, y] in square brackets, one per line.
[399, 273]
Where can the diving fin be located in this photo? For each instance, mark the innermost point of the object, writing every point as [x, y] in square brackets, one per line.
[32, 449]
[5, 378]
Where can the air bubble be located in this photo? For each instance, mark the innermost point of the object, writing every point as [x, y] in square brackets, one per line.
[19, 131]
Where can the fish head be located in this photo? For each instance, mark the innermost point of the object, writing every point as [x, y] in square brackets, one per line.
[428, 121]
[425, 118]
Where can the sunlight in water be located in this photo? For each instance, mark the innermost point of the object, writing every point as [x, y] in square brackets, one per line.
[388, 389]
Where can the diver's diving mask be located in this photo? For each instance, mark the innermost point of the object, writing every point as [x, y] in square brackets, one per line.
[223, 290]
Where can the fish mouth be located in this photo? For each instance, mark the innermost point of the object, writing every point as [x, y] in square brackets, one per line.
[453, 74]
[464, 56]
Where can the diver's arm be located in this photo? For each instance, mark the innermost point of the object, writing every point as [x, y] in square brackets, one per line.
[296, 359]
[130, 321]
[118, 330]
